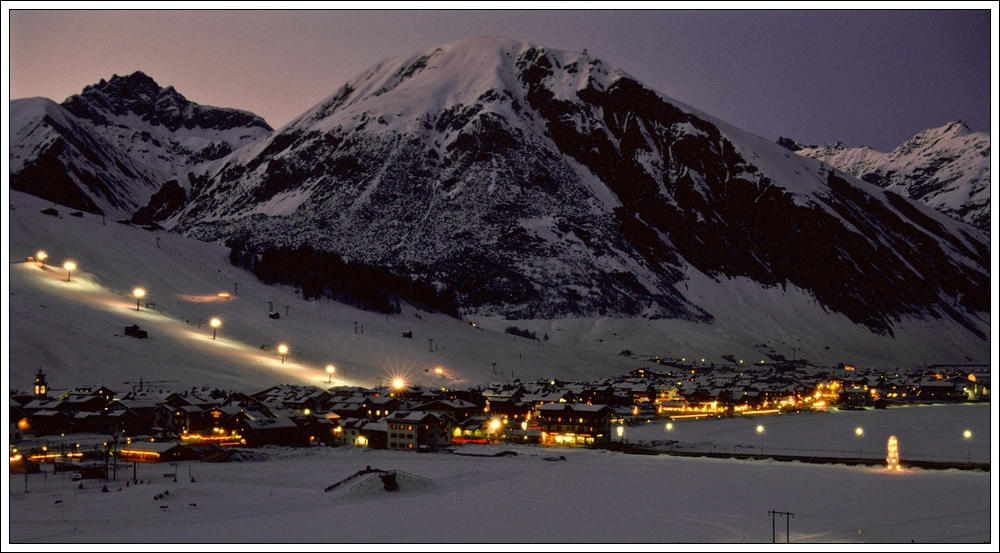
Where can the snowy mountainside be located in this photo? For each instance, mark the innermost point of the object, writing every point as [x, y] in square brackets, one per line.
[947, 168]
[108, 149]
[73, 330]
[540, 183]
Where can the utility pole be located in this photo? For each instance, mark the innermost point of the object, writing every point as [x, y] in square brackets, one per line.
[787, 516]
[236, 288]
[430, 344]
[355, 327]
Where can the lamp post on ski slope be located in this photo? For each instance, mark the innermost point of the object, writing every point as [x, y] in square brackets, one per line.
[70, 267]
[138, 293]
[330, 369]
[216, 323]
[283, 350]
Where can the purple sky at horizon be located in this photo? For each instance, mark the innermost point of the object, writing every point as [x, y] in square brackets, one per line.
[861, 77]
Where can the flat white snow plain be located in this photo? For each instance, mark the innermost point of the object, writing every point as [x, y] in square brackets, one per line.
[589, 497]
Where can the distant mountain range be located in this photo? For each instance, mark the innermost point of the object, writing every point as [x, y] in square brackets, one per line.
[947, 168]
[528, 182]
[108, 149]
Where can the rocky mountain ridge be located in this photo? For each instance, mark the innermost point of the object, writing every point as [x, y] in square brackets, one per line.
[108, 149]
[947, 168]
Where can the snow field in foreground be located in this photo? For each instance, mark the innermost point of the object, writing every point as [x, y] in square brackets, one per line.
[591, 496]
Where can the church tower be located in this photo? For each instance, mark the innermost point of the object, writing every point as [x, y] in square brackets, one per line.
[41, 388]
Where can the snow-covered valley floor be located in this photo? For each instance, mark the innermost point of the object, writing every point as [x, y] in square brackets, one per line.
[590, 497]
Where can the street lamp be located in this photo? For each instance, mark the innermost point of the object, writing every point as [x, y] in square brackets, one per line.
[860, 433]
[138, 293]
[283, 350]
[42, 256]
[216, 323]
[760, 430]
[330, 369]
[968, 437]
[670, 428]
[621, 433]
[70, 267]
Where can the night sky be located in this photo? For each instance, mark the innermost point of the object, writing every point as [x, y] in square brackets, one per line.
[861, 77]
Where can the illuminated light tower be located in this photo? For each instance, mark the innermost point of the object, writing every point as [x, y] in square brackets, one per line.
[330, 370]
[42, 256]
[397, 386]
[70, 267]
[138, 293]
[968, 437]
[283, 350]
[893, 459]
[216, 323]
[860, 432]
[760, 430]
[670, 428]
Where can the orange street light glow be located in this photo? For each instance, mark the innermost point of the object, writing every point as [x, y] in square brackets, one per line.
[70, 267]
[138, 293]
[215, 326]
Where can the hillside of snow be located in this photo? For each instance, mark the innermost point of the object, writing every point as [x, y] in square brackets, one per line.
[73, 329]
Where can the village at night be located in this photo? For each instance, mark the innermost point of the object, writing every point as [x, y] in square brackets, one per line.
[466, 278]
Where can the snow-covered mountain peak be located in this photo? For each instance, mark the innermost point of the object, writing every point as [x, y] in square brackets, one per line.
[139, 95]
[109, 148]
[946, 167]
[488, 71]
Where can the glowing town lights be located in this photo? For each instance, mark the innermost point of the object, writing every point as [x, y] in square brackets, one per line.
[216, 323]
[524, 425]
[283, 350]
[70, 267]
[138, 293]
[330, 369]
[494, 425]
[621, 431]
[42, 256]
[893, 459]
